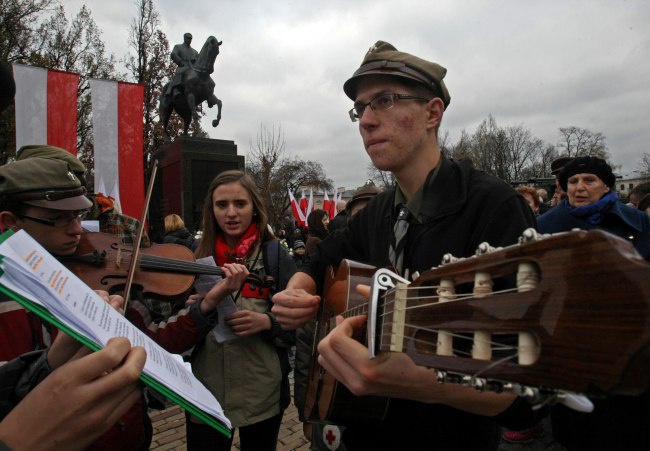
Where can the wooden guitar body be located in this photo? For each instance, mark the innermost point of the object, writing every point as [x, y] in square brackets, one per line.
[327, 399]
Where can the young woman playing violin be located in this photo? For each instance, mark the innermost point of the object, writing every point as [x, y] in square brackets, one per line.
[248, 375]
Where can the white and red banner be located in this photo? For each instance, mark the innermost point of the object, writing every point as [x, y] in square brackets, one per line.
[46, 107]
[46, 113]
[118, 140]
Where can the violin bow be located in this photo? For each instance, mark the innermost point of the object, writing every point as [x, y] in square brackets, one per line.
[138, 239]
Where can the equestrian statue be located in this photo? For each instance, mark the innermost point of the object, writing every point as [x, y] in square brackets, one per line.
[191, 84]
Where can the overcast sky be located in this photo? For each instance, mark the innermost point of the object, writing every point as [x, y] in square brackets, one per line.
[543, 65]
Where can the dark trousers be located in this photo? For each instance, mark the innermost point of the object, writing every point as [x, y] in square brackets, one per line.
[262, 436]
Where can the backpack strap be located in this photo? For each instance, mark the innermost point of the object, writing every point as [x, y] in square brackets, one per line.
[271, 259]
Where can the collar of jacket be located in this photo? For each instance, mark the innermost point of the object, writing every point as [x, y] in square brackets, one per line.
[630, 216]
[448, 191]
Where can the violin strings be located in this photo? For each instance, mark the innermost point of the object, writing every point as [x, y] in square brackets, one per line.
[157, 262]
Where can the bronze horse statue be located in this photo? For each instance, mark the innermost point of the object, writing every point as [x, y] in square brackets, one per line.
[197, 87]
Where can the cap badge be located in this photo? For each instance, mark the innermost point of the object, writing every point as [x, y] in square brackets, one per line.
[71, 176]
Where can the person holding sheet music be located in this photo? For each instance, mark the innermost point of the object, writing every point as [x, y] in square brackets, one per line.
[249, 373]
[448, 207]
[103, 385]
[44, 197]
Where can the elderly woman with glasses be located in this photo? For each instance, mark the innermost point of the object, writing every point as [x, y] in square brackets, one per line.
[617, 422]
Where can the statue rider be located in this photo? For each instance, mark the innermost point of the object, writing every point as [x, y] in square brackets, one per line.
[185, 56]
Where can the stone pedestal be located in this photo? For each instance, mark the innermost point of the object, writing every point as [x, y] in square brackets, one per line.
[186, 168]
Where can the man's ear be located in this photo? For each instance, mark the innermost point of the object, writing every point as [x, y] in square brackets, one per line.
[435, 110]
[8, 220]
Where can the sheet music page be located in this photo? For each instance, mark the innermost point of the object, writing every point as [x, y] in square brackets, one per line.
[204, 283]
[29, 270]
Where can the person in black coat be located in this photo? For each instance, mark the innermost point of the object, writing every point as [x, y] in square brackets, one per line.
[177, 233]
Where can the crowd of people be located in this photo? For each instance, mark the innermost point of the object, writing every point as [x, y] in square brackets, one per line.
[240, 333]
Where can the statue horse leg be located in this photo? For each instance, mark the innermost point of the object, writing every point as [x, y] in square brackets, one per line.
[165, 108]
[216, 101]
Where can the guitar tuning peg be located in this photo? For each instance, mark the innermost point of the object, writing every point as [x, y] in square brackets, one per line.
[448, 258]
[485, 248]
[529, 235]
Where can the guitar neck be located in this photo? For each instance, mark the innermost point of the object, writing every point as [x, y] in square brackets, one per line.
[577, 322]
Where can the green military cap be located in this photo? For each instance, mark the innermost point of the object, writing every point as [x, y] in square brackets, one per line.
[45, 151]
[43, 182]
[384, 59]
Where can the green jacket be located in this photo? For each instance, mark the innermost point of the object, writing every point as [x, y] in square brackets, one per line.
[249, 375]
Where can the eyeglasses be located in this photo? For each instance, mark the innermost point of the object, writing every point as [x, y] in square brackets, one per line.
[380, 103]
[60, 221]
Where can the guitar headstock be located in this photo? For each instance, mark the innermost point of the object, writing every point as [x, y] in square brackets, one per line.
[567, 311]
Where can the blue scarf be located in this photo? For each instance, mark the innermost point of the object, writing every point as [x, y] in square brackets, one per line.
[593, 213]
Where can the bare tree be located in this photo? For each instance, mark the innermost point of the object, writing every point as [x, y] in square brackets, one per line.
[643, 166]
[578, 142]
[523, 151]
[383, 179]
[276, 174]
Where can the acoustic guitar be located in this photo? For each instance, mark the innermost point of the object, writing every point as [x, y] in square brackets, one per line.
[575, 320]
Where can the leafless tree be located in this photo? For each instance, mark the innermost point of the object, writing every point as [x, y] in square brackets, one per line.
[578, 142]
[383, 179]
[276, 173]
[643, 166]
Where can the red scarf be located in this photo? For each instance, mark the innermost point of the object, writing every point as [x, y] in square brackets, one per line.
[242, 251]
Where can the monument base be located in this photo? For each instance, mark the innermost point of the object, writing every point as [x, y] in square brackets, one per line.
[186, 168]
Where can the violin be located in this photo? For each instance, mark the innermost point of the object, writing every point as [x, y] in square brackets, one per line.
[167, 270]
[163, 270]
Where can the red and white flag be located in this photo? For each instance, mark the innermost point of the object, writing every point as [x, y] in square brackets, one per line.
[332, 210]
[118, 139]
[310, 204]
[46, 107]
[303, 205]
[326, 204]
[298, 215]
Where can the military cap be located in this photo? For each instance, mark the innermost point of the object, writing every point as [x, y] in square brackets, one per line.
[45, 151]
[43, 182]
[587, 165]
[384, 59]
[366, 192]
[558, 164]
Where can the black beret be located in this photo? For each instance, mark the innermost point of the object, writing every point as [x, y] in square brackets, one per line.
[384, 59]
[558, 164]
[587, 165]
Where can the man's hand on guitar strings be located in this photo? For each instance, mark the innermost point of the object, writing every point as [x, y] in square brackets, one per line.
[390, 374]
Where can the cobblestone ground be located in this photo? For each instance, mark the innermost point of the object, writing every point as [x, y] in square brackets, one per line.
[169, 431]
